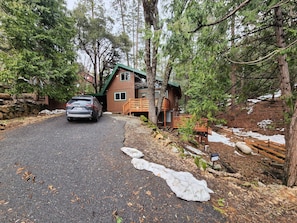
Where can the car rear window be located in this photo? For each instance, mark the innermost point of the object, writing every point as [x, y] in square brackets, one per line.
[81, 102]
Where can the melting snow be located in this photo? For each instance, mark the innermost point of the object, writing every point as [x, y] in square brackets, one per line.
[183, 184]
[261, 98]
[53, 112]
[134, 153]
[263, 124]
[275, 138]
[215, 137]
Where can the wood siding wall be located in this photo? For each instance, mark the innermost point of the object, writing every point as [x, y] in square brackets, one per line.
[120, 86]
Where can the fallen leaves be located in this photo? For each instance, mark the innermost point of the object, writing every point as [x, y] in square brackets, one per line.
[26, 174]
[3, 202]
[52, 189]
[75, 198]
[20, 170]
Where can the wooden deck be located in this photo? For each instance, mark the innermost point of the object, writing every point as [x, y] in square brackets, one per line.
[201, 126]
[142, 105]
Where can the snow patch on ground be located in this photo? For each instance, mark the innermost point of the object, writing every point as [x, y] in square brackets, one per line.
[261, 98]
[264, 123]
[134, 153]
[183, 184]
[53, 112]
[275, 138]
[215, 137]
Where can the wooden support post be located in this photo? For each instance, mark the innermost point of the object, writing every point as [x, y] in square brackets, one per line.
[165, 118]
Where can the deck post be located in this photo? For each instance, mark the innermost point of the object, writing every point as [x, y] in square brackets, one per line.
[165, 119]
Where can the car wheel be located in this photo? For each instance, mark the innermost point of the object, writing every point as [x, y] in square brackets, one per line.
[69, 119]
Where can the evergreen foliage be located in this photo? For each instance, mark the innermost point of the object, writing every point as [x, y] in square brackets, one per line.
[205, 57]
[39, 55]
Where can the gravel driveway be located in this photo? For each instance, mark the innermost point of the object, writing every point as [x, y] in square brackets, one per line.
[55, 171]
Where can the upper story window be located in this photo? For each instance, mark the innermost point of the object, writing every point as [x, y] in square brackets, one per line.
[125, 76]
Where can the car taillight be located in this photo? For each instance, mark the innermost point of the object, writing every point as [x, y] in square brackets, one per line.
[89, 105]
[68, 105]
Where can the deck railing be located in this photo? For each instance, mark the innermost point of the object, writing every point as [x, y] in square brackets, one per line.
[201, 126]
[142, 105]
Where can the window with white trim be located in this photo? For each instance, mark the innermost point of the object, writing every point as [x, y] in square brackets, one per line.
[120, 96]
[125, 76]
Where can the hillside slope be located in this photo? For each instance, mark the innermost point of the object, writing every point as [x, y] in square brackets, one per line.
[251, 117]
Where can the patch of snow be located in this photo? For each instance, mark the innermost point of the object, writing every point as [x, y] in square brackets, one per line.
[215, 137]
[250, 110]
[183, 184]
[264, 123]
[107, 113]
[253, 101]
[261, 98]
[53, 112]
[275, 138]
[269, 96]
[133, 153]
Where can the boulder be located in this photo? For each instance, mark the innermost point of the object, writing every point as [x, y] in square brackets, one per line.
[243, 147]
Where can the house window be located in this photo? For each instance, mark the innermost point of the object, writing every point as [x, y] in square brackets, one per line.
[120, 96]
[125, 76]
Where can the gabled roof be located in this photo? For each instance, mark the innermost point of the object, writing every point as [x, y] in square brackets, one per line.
[140, 73]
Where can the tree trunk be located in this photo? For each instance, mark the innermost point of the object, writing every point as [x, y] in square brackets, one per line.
[233, 66]
[123, 26]
[151, 18]
[95, 53]
[95, 74]
[290, 169]
[137, 35]
[291, 154]
[164, 86]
